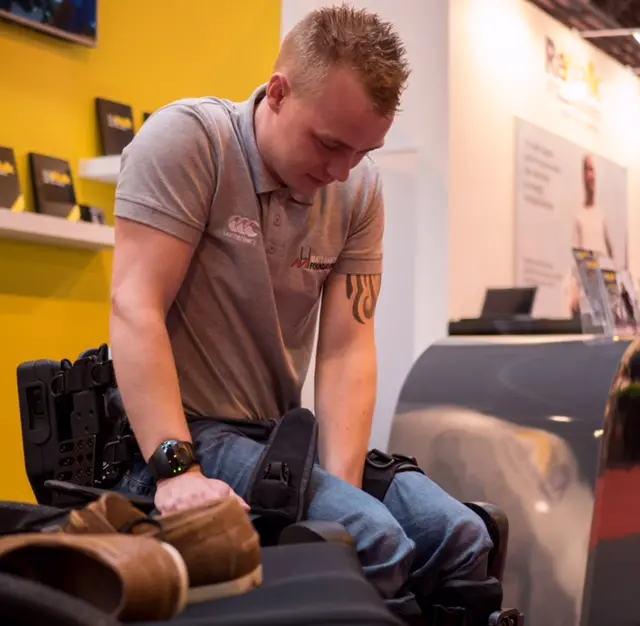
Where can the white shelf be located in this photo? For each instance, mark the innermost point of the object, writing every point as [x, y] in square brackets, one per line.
[101, 169]
[48, 229]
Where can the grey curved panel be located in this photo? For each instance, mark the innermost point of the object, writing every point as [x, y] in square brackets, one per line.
[517, 422]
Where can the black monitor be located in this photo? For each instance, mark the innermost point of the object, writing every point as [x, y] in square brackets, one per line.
[508, 302]
[75, 21]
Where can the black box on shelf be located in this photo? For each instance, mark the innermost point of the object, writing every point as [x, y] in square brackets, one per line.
[53, 188]
[115, 125]
[11, 196]
[92, 214]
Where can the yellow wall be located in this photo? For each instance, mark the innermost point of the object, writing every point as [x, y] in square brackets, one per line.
[54, 302]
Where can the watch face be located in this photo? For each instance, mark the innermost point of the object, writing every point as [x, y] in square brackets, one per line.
[178, 457]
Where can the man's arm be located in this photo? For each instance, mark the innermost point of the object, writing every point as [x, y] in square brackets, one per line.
[147, 272]
[163, 197]
[346, 362]
[577, 234]
[607, 242]
[346, 373]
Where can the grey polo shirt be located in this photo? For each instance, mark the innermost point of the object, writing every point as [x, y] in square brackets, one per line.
[243, 323]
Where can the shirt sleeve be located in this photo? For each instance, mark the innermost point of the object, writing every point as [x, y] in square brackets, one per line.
[362, 253]
[168, 175]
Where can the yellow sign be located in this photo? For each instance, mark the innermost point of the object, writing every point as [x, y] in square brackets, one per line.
[572, 70]
[119, 122]
[7, 169]
[52, 177]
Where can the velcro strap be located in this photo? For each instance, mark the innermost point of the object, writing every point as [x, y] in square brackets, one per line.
[380, 468]
[280, 480]
[103, 374]
[120, 450]
[84, 375]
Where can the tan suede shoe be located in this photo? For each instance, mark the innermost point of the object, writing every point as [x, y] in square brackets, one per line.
[131, 578]
[217, 541]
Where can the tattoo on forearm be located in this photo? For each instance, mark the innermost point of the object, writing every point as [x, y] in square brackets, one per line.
[363, 291]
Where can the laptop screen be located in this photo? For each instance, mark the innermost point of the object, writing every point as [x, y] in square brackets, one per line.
[508, 302]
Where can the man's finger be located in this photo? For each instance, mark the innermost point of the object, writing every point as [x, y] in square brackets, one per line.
[245, 506]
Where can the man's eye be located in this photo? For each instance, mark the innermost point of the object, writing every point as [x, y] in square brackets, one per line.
[328, 146]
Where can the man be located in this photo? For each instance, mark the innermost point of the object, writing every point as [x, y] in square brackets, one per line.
[234, 222]
[590, 229]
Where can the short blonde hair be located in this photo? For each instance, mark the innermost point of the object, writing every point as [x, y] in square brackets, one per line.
[355, 39]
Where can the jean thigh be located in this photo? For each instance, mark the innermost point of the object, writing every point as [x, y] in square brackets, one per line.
[222, 452]
[450, 538]
[225, 454]
[384, 549]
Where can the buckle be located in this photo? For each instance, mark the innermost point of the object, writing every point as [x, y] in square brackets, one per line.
[506, 617]
[121, 449]
[405, 459]
[380, 460]
[277, 471]
[102, 374]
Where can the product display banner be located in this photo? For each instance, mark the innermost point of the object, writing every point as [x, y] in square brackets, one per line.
[11, 196]
[53, 188]
[115, 125]
[566, 197]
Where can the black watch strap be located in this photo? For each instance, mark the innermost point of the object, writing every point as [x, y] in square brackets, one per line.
[172, 458]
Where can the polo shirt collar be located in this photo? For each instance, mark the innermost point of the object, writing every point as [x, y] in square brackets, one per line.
[262, 179]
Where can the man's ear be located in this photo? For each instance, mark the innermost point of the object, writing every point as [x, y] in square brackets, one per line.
[278, 89]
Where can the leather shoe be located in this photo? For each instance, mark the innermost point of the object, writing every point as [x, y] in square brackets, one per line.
[217, 540]
[131, 578]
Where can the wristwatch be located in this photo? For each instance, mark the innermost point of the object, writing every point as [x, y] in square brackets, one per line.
[171, 458]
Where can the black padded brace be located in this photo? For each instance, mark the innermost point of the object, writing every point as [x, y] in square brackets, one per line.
[380, 469]
[280, 480]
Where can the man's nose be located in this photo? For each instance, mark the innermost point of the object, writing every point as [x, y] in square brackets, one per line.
[340, 167]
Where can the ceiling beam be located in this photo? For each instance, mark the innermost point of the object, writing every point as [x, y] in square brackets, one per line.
[609, 32]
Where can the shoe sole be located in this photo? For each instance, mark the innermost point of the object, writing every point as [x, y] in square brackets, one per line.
[235, 587]
[183, 573]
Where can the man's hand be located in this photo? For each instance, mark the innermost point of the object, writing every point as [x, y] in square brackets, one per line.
[191, 489]
[346, 373]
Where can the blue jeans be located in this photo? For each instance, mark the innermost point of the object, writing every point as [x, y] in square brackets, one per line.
[418, 533]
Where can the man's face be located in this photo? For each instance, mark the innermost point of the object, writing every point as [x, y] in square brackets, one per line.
[320, 137]
[589, 175]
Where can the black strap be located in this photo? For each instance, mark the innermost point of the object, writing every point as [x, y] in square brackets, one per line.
[120, 449]
[447, 616]
[459, 602]
[281, 477]
[39, 519]
[83, 375]
[380, 469]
